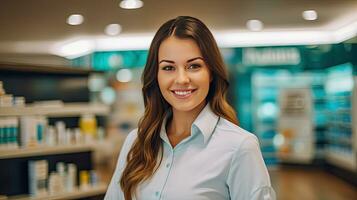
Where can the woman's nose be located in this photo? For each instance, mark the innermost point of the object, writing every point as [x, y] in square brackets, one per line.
[182, 77]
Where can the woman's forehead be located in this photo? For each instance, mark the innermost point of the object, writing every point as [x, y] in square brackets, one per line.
[177, 49]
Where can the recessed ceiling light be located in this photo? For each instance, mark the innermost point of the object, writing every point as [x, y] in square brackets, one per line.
[309, 15]
[75, 19]
[75, 49]
[113, 29]
[131, 4]
[225, 39]
[255, 25]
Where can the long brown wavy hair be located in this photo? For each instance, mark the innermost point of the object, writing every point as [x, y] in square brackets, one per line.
[145, 155]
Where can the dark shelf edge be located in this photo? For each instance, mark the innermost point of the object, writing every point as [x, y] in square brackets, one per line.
[20, 67]
[346, 175]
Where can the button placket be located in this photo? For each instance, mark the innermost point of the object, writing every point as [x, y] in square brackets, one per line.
[168, 165]
[169, 160]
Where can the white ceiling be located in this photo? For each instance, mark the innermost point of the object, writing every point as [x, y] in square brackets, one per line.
[36, 26]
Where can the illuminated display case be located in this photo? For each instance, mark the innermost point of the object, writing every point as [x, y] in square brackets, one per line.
[319, 113]
[265, 89]
[341, 141]
[269, 88]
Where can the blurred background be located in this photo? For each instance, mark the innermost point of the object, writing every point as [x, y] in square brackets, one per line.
[70, 89]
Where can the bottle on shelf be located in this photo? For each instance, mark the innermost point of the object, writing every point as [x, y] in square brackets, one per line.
[88, 126]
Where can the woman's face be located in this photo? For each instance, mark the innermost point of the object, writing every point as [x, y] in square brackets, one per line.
[183, 75]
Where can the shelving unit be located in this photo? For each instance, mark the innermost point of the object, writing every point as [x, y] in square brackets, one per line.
[48, 87]
[65, 110]
[341, 140]
[18, 67]
[44, 150]
[305, 146]
[265, 88]
[319, 113]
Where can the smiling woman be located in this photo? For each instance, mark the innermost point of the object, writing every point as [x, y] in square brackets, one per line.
[183, 76]
[188, 144]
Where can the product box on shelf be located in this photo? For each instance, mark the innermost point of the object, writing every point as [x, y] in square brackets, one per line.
[9, 133]
[295, 125]
[32, 130]
[38, 173]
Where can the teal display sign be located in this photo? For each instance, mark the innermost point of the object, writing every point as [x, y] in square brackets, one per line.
[271, 56]
[113, 60]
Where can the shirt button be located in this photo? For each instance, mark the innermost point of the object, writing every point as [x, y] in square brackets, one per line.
[167, 165]
[157, 193]
[266, 196]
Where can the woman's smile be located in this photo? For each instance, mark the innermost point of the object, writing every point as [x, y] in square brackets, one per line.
[183, 94]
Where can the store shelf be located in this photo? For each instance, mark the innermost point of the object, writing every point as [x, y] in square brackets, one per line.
[343, 140]
[344, 111]
[295, 158]
[18, 67]
[93, 191]
[341, 160]
[340, 124]
[44, 150]
[65, 110]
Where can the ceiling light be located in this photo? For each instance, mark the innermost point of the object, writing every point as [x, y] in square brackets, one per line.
[131, 4]
[309, 15]
[75, 19]
[272, 38]
[254, 25]
[113, 29]
[225, 39]
[124, 42]
[75, 49]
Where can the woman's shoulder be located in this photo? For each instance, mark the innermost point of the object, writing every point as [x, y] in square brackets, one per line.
[130, 138]
[133, 134]
[235, 136]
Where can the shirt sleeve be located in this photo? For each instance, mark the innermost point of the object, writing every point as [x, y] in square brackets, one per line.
[114, 191]
[248, 177]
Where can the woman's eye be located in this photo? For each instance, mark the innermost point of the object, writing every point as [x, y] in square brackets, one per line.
[194, 66]
[168, 68]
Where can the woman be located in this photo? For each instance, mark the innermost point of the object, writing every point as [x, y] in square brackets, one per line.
[188, 145]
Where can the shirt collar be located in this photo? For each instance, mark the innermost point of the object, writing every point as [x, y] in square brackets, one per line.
[206, 122]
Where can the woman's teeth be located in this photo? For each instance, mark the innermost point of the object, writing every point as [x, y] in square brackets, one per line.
[183, 92]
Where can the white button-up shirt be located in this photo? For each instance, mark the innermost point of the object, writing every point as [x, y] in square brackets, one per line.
[218, 161]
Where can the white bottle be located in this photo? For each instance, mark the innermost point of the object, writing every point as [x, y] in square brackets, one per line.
[71, 177]
[61, 132]
[54, 183]
[60, 166]
[50, 136]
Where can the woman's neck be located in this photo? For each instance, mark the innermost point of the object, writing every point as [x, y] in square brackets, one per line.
[180, 125]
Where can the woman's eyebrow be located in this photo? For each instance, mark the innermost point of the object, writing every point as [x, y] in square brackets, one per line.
[189, 60]
[192, 59]
[169, 61]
